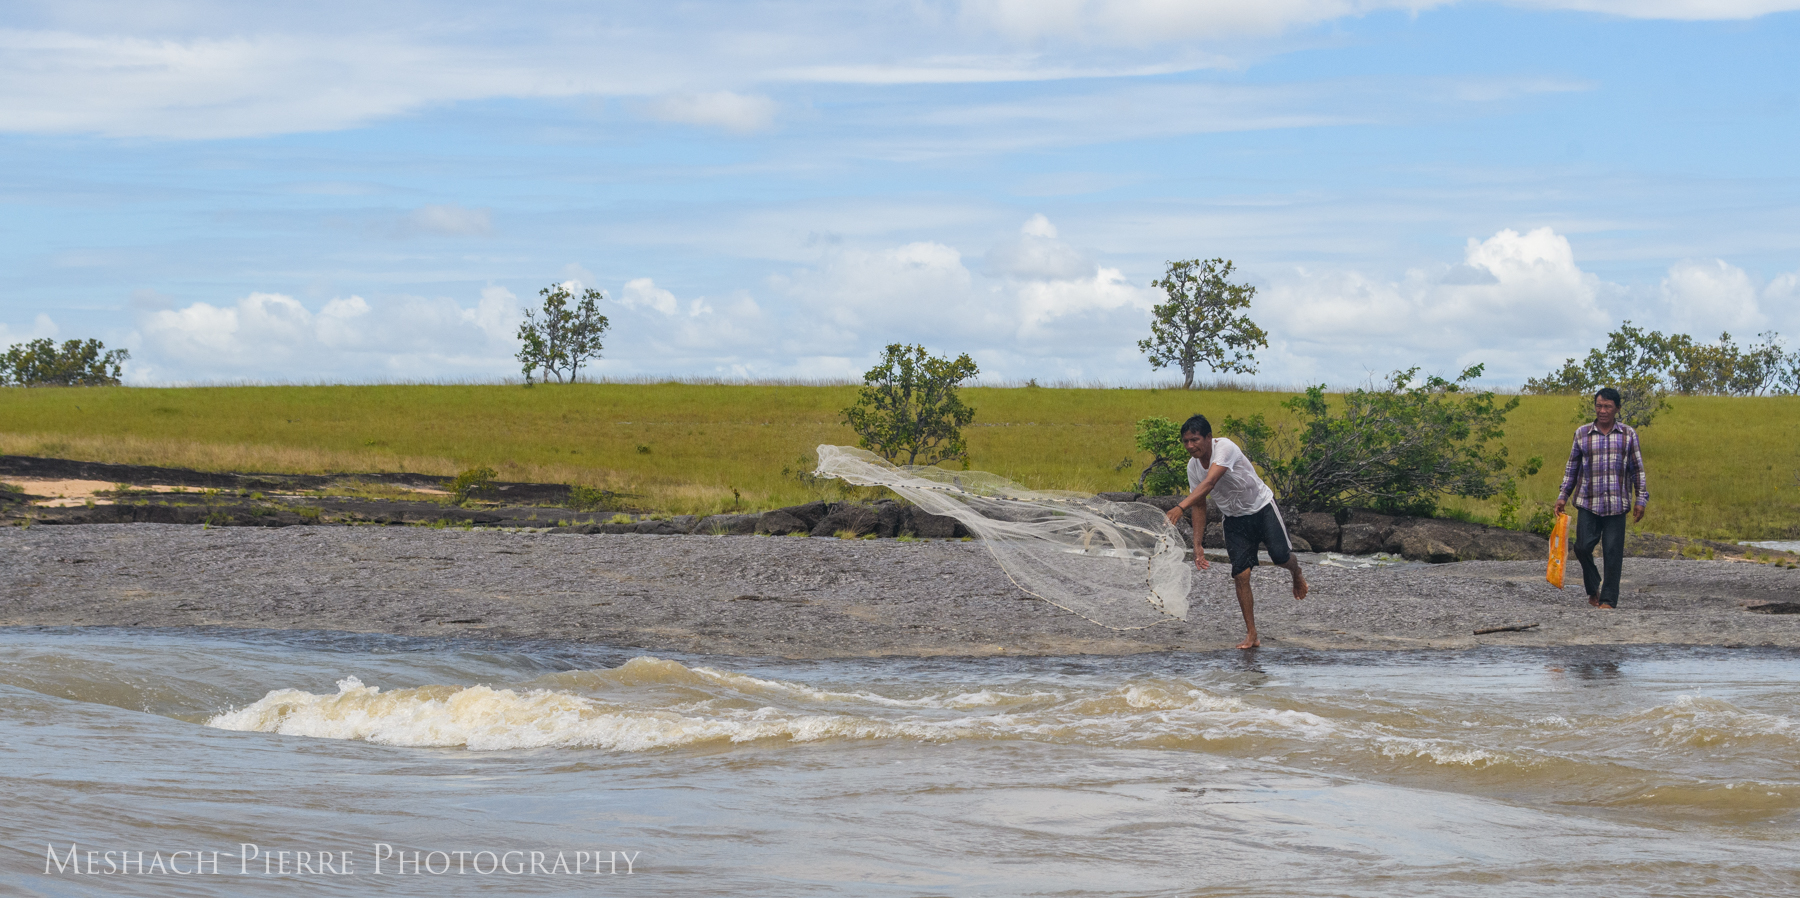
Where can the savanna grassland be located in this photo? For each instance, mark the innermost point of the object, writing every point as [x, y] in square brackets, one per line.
[1722, 468]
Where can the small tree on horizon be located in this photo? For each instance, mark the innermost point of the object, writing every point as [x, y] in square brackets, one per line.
[565, 337]
[78, 363]
[1200, 323]
[1634, 361]
[908, 410]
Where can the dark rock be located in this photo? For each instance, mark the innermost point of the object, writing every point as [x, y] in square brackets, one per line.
[1163, 502]
[922, 523]
[1466, 542]
[1119, 497]
[1215, 535]
[1299, 543]
[658, 527]
[728, 524]
[881, 519]
[1320, 530]
[809, 515]
[1363, 538]
[782, 522]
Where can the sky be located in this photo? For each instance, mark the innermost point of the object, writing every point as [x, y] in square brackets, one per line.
[354, 192]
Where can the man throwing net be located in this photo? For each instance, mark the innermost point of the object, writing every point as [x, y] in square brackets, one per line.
[1218, 468]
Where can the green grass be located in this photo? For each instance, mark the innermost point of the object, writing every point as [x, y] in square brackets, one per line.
[1720, 468]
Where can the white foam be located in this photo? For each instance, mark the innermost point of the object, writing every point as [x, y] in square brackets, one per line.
[485, 718]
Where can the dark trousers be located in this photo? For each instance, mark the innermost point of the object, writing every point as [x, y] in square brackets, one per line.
[1607, 531]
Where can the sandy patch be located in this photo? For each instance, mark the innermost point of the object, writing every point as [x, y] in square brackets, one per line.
[68, 493]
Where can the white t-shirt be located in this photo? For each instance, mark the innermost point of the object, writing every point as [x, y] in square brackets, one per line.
[1240, 492]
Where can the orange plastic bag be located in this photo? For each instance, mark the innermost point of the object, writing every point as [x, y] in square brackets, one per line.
[1559, 551]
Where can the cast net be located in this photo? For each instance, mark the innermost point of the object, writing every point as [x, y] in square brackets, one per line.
[1118, 564]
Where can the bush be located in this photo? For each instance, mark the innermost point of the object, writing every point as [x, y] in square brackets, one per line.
[588, 498]
[908, 410]
[472, 481]
[1166, 474]
[1394, 450]
[78, 363]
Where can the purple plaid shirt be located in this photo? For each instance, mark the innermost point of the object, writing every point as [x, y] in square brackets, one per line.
[1604, 462]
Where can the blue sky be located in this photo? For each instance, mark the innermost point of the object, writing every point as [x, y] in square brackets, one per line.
[356, 192]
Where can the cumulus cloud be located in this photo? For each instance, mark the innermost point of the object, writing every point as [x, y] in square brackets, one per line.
[1043, 310]
[1704, 298]
[1517, 303]
[41, 326]
[273, 336]
[733, 112]
[1036, 254]
[449, 221]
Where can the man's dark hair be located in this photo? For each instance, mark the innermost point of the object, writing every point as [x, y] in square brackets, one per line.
[1197, 424]
[1611, 395]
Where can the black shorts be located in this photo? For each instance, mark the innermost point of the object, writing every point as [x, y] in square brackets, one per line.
[1243, 534]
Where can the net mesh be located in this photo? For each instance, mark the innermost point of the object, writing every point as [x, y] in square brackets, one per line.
[1118, 564]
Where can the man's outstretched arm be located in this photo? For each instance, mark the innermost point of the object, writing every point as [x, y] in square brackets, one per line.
[1195, 503]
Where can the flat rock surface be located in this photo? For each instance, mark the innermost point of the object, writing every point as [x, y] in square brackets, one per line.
[812, 597]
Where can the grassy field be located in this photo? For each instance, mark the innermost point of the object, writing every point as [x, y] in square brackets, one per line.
[1722, 468]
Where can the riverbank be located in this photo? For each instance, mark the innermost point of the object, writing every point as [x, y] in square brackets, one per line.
[815, 598]
[710, 448]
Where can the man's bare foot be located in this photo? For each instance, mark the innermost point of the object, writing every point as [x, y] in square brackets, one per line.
[1605, 607]
[1301, 588]
[1250, 642]
[1594, 601]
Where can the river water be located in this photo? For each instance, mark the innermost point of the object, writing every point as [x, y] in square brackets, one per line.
[325, 764]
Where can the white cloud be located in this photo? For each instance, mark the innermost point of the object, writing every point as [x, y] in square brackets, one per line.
[1139, 23]
[40, 327]
[1781, 297]
[1041, 315]
[1704, 298]
[643, 293]
[1143, 22]
[1037, 255]
[450, 221]
[733, 112]
[1517, 303]
[1696, 10]
[272, 336]
[200, 71]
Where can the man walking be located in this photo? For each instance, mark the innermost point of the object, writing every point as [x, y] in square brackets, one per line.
[1219, 468]
[1604, 468]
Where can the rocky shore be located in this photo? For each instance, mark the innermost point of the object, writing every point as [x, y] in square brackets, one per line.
[816, 598]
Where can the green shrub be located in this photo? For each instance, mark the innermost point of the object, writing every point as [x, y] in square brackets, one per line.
[1166, 474]
[588, 498]
[1394, 449]
[471, 482]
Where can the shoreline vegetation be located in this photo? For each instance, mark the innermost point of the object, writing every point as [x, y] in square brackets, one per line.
[1721, 468]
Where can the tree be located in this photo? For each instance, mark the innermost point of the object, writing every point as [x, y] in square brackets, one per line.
[908, 410]
[1634, 362]
[1724, 369]
[1197, 325]
[78, 363]
[565, 337]
[1395, 449]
